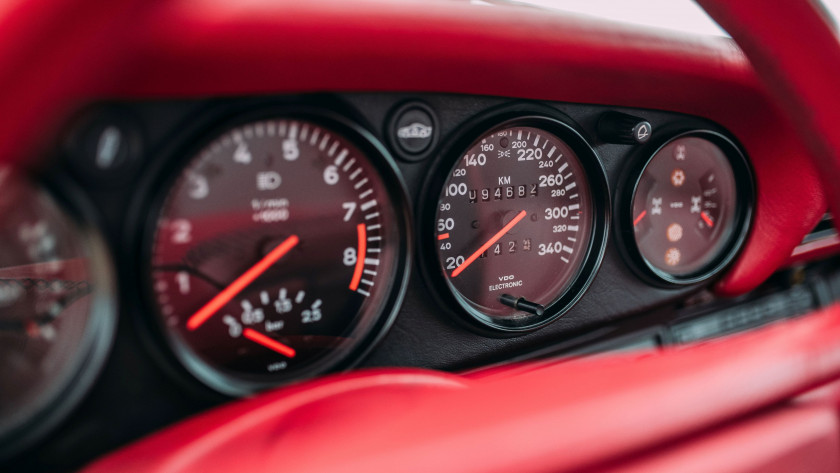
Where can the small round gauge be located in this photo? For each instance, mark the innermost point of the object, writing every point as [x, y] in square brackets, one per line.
[56, 310]
[279, 251]
[518, 218]
[690, 207]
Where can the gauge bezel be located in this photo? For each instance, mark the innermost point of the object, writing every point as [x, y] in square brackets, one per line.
[158, 188]
[551, 121]
[100, 329]
[744, 192]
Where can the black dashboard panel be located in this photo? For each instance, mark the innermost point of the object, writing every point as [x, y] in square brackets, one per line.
[426, 333]
[144, 387]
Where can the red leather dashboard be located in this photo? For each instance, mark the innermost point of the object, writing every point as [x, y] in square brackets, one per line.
[525, 420]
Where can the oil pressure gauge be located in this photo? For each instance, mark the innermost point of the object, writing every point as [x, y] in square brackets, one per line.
[518, 228]
[690, 207]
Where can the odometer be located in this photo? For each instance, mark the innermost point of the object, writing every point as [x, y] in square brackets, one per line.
[279, 252]
[516, 220]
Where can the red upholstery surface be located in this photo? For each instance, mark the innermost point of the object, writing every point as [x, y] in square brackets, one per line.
[559, 416]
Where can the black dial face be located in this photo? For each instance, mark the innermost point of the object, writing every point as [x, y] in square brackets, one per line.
[685, 207]
[252, 284]
[514, 224]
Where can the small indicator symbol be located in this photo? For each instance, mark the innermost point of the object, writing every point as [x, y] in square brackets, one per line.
[675, 232]
[679, 152]
[268, 180]
[677, 177]
[657, 206]
[695, 204]
[672, 257]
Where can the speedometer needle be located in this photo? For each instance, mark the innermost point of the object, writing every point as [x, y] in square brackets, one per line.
[489, 243]
[241, 283]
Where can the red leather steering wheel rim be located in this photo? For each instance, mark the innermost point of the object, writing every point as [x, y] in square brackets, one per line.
[795, 50]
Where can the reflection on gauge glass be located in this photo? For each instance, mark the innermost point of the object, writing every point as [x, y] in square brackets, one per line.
[279, 253]
[515, 222]
[56, 312]
[687, 208]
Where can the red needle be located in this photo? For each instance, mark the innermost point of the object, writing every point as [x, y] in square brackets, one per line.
[269, 343]
[639, 218]
[707, 219]
[489, 243]
[241, 283]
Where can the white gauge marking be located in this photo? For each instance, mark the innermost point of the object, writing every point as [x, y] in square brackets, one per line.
[349, 164]
[365, 194]
[368, 205]
[371, 216]
[360, 184]
[372, 261]
[341, 156]
[571, 186]
[333, 149]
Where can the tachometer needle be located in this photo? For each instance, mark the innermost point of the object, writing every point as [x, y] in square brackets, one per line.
[489, 243]
[268, 342]
[241, 283]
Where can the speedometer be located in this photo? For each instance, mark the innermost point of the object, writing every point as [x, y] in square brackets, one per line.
[519, 223]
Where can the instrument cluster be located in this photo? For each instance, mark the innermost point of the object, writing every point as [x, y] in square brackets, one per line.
[259, 244]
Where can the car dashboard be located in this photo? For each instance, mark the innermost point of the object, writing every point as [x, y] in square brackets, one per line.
[245, 198]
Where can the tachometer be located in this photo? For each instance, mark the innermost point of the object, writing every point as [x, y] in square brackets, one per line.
[519, 223]
[279, 251]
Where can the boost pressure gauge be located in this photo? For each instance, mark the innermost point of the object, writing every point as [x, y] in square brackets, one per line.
[690, 208]
[518, 228]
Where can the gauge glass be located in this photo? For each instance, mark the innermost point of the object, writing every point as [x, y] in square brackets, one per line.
[514, 224]
[685, 207]
[55, 308]
[277, 253]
